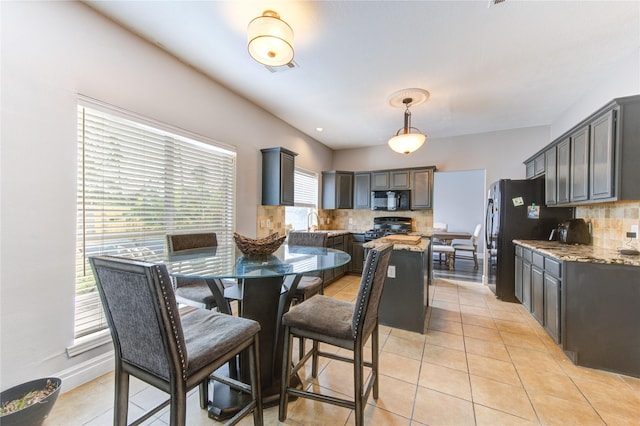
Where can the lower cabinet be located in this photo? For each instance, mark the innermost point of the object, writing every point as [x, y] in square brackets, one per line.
[538, 287]
[357, 253]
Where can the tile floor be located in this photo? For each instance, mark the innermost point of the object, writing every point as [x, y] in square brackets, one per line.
[481, 362]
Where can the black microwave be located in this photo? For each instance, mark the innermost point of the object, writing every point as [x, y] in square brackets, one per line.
[391, 200]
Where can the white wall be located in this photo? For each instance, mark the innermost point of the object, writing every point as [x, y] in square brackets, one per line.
[459, 201]
[500, 153]
[50, 52]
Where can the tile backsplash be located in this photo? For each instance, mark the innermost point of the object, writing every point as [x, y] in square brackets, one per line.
[611, 222]
[362, 220]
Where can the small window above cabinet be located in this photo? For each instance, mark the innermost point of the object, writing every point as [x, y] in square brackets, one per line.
[278, 167]
[535, 166]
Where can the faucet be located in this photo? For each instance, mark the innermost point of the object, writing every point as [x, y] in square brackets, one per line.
[310, 220]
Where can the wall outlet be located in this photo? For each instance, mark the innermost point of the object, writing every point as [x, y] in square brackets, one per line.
[262, 223]
[268, 223]
[391, 271]
[634, 230]
[350, 221]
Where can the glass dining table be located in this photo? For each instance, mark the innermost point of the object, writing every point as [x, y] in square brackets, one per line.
[264, 291]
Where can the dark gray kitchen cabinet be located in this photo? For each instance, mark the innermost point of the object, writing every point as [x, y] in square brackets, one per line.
[562, 171]
[337, 190]
[422, 188]
[579, 165]
[518, 277]
[535, 167]
[278, 167]
[362, 190]
[357, 253]
[526, 279]
[550, 182]
[601, 162]
[552, 289]
[537, 287]
[390, 179]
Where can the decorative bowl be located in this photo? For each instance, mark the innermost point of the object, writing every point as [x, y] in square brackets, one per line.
[258, 247]
[34, 414]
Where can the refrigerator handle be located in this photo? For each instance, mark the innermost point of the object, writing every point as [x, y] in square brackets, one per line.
[488, 225]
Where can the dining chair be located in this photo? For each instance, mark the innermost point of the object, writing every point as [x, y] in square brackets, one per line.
[468, 248]
[313, 283]
[173, 353]
[343, 324]
[195, 291]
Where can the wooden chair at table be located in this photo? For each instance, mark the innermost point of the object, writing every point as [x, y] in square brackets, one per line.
[468, 247]
[342, 324]
[153, 343]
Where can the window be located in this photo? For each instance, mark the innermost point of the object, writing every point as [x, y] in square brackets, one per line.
[138, 181]
[305, 199]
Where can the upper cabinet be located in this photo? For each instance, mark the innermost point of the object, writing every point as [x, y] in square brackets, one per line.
[337, 190]
[422, 188]
[390, 179]
[535, 166]
[597, 160]
[278, 167]
[362, 190]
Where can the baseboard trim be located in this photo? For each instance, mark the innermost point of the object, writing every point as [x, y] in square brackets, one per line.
[86, 371]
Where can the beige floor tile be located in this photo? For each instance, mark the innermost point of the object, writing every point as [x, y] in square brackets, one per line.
[479, 321]
[486, 348]
[615, 419]
[395, 396]
[590, 374]
[557, 411]
[409, 348]
[529, 358]
[610, 398]
[408, 335]
[550, 383]
[633, 382]
[399, 367]
[494, 369]
[474, 310]
[443, 314]
[453, 327]
[445, 380]
[528, 341]
[448, 340]
[486, 416]
[515, 327]
[516, 317]
[377, 416]
[314, 413]
[482, 333]
[446, 306]
[473, 300]
[445, 357]
[502, 397]
[435, 408]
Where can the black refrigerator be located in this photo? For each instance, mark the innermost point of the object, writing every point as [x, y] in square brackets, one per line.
[515, 211]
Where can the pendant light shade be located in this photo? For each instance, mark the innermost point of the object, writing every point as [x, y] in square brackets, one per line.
[405, 142]
[270, 40]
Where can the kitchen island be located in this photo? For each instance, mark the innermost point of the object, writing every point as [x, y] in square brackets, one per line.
[405, 296]
[587, 298]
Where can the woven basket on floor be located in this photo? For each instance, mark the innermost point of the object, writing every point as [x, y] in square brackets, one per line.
[258, 247]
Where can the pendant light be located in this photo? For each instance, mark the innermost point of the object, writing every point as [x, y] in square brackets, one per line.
[270, 40]
[407, 139]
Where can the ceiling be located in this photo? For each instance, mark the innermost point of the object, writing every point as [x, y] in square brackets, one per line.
[487, 67]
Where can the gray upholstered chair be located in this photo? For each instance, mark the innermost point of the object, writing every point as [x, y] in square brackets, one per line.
[194, 291]
[174, 354]
[310, 284]
[313, 283]
[342, 324]
[468, 248]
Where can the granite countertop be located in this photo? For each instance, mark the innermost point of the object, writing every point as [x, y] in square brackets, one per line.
[335, 232]
[421, 246]
[579, 253]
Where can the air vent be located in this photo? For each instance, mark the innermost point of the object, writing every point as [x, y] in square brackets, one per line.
[291, 65]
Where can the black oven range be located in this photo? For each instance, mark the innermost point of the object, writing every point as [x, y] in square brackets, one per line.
[388, 225]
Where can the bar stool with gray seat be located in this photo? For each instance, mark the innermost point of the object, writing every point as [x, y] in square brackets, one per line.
[174, 354]
[194, 291]
[342, 324]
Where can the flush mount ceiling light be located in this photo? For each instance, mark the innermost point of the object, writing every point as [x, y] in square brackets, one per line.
[407, 139]
[270, 40]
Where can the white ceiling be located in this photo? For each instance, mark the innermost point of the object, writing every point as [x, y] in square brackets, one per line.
[487, 67]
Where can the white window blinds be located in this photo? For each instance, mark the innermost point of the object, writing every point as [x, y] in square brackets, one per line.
[136, 183]
[305, 189]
